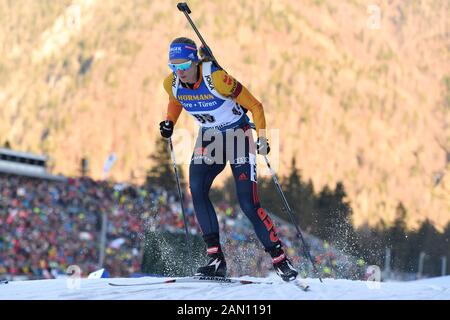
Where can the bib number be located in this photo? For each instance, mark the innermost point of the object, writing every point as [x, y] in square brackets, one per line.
[237, 110]
[203, 118]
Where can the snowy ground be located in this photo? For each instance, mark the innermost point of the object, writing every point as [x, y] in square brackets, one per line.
[435, 288]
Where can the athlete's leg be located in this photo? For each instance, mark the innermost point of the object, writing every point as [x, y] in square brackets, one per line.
[243, 167]
[202, 171]
[244, 172]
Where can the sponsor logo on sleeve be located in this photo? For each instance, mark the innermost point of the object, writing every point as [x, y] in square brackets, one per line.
[227, 79]
[174, 81]
[209, 82]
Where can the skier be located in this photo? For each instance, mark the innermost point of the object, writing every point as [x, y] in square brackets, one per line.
[216, 101]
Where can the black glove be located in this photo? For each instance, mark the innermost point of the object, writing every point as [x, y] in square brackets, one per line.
[166, 128]
[262, 146]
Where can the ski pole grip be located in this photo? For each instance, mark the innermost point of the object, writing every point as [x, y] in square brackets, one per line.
[183, 7]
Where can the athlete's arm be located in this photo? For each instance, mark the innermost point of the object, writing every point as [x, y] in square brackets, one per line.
[227, 86]
[174, 107]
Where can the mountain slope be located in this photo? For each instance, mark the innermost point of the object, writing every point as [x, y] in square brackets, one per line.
[367, 104]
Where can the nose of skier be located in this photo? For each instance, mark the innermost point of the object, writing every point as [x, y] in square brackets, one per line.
[182, 74]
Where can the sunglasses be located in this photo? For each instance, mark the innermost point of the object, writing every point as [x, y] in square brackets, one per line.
[180, 66]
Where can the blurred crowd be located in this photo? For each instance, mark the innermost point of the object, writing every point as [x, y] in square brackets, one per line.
[46, 226]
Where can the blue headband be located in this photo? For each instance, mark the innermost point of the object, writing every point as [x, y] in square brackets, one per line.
[183, 51]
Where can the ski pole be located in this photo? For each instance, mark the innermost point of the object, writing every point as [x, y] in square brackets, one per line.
[172, 153]
[289, 211]
[183, 7]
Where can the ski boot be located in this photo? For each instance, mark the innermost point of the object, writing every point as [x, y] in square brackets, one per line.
[216, 266]
[282, 264]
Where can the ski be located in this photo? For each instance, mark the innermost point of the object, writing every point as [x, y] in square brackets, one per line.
[205, 279]
[194, 279]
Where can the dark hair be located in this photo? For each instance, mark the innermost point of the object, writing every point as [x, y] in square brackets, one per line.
[184, 40]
